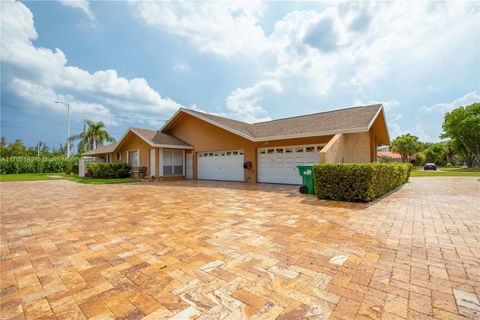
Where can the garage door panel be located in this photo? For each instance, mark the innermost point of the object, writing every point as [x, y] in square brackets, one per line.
[221, 165]
[279, 164]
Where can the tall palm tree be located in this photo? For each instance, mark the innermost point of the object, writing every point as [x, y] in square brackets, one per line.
[92, 137]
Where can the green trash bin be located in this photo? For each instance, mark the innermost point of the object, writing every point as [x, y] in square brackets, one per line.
[306, 171]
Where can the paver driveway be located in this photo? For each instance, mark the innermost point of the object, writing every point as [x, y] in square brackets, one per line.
[229, 250]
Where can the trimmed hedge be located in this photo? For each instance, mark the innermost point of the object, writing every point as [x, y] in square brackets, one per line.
[358, 182]
[108, 170]
[11, 165]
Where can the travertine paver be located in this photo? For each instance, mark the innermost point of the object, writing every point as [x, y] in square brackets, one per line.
[212, 250]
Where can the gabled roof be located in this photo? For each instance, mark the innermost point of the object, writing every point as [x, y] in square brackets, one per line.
[152, 137]
[356, 119]
[389, 154]
[103, 149]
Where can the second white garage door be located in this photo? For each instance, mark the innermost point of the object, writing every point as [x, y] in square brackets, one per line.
[221, 165]
[279, 164]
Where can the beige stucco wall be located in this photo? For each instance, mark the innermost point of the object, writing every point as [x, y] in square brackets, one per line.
[350, 147]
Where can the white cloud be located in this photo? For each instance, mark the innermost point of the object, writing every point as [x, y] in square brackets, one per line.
[445, 107]
[182, 66]
[224, 28]
[244, 104]
[39, 76]
[83, 5]
[430, 118]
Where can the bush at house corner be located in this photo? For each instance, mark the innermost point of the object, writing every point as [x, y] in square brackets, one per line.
[358, 182]
[13, 165]
[108, 170]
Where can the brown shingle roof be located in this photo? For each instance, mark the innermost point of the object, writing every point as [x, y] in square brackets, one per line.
[153, 137]
[322, 123]
[159, 138]
[103, 149]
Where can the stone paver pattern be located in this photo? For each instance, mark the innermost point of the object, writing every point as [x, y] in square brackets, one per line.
[215, 250]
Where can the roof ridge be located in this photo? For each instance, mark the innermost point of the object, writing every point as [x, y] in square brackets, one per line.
[210, 114]
[315, 113]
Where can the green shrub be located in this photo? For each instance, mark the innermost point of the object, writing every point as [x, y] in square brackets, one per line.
[360, 182]
[108, 170]
[72, 168]
[10, 165]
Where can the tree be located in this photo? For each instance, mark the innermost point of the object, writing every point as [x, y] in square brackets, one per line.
[462, 126]
[436, 153]
[407, 145]
[92, 137]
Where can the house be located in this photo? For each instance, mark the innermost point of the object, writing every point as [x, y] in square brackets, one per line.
[197, 145]
[388, 156]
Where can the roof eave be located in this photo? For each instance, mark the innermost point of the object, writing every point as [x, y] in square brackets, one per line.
[312, 134]
[380, 110]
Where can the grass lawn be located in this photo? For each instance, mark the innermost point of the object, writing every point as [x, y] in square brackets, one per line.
[61, 176]
[446, 172]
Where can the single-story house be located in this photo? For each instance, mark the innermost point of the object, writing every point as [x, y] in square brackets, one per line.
[197, 145]
[388, 156]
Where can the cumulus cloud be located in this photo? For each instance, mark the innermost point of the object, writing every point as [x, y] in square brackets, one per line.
[83, 5]
[322, 35]
[223, 28]
[40, 76]
[430, 117]
[244, 104]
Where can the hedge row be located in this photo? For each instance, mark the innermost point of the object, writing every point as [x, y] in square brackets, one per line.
[11, 165]
[360, 182]
[108, 170]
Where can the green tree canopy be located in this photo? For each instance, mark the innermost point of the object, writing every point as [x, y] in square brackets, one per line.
[407, 145]
[436, 153]
[92, 137]
[462, 127]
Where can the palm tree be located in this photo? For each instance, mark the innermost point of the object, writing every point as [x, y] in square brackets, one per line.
[94, 136]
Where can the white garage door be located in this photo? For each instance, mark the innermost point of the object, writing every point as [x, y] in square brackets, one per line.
[221, 165]
[279, 164]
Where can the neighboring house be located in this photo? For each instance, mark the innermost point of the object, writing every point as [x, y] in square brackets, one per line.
[197, 145]
[388, 156]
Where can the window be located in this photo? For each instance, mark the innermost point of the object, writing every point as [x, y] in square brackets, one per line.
[262, 151]
[172, 161]
[222, 154]
[118, 156]
[240, 152]
[288, 150]
[279, 150]
[299, 149]
[309, 149]
[229, 153]
[270, 151]
[235, 153]
[133, 157]
[319, 148]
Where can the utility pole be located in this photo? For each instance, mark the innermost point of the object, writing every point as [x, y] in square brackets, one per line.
[68, 126]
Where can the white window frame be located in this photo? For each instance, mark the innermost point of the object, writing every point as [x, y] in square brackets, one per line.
[293, 149]
[128, 156]
[163, 163]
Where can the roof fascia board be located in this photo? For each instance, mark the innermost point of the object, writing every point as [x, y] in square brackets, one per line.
[170, 146]
[381, 109]
[313, 134]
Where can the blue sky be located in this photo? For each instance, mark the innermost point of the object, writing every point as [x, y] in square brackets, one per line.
[135, 63]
